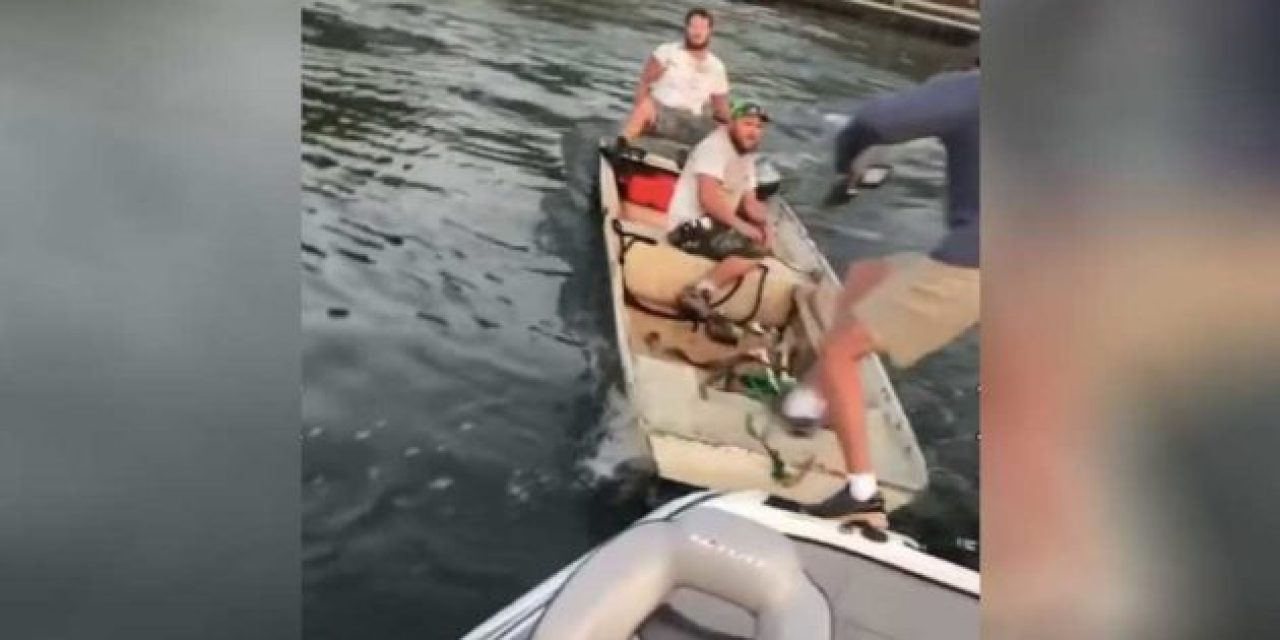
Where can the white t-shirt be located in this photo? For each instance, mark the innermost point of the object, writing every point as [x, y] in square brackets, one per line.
[687, 82]
[715, 156]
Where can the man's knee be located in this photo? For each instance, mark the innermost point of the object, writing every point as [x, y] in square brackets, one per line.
[850, 340]
[738, 264]
[729, 269]
[865, 274]
[861, 277]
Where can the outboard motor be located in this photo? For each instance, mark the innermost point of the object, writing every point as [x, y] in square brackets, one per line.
[768, 180]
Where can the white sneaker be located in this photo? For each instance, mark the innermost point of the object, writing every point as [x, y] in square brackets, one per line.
[804, 408]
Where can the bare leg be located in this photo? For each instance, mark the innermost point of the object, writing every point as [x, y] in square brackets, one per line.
[697, 297]
[641, 118]
[840, 382]
[837, 379]
[729, 270]
[859, 279]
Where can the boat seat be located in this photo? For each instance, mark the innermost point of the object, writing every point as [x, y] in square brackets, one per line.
[658, 273]
[726, 556]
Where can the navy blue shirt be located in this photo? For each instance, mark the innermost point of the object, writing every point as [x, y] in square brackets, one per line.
[946, 107]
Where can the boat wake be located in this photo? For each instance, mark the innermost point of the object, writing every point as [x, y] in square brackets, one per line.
[619, 454]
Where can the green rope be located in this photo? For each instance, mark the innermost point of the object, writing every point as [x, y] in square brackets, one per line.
[779, 466]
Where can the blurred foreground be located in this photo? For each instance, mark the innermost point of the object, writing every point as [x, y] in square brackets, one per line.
[1130, 326]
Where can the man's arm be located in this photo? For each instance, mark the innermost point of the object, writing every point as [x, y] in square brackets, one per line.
[720, 94]
[652, 71]
[753, 208]
[931, 109]
[758, 214]
[720, 107]
[711, 197]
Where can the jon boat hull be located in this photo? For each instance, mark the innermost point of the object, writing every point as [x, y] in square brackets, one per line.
[699, 436]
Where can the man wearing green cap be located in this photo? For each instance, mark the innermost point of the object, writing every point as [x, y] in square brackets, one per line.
[714, 211]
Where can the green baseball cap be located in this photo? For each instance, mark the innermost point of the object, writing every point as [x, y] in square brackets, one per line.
[748, 108]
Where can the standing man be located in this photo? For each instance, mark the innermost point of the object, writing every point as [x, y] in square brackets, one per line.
[906, 306]
[683, 90]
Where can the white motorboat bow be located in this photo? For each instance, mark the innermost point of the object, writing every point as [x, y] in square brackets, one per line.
[743, 565]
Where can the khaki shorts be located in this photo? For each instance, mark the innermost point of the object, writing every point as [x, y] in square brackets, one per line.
[920, 307]
[717, 243]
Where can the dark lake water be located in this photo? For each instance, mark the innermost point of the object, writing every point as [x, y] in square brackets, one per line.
[459, 364]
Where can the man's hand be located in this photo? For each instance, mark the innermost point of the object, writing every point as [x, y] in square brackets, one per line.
[754, 233]
[652, 71]
[768, 236]
[840, 192]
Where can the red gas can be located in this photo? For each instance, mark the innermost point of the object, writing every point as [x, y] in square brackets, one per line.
[651, 190]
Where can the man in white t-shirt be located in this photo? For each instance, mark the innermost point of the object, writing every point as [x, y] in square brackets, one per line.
[714, 211]
[683, 90]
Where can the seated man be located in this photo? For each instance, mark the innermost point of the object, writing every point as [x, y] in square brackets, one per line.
[714, 211]
[683, 90]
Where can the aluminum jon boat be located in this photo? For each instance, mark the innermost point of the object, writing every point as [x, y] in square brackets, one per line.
[742, 565]
[704, 426]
